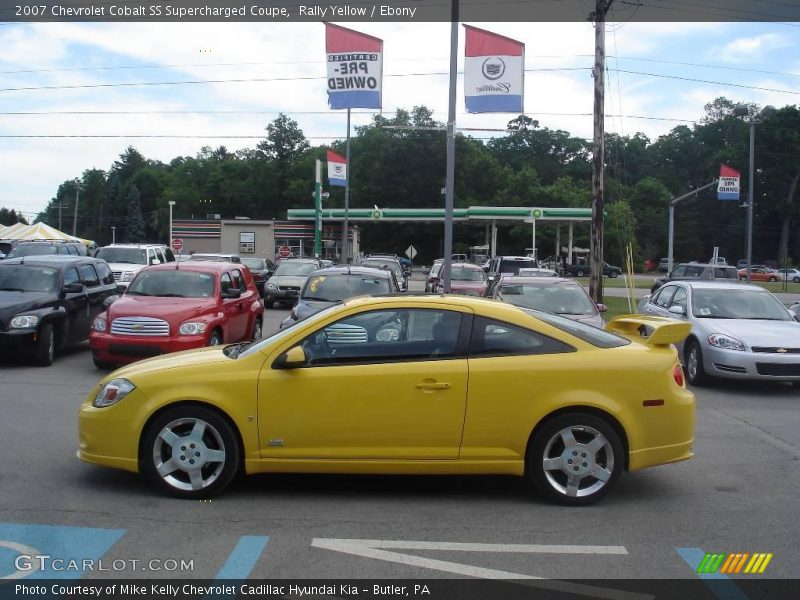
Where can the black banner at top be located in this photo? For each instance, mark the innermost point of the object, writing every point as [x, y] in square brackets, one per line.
[394, 10]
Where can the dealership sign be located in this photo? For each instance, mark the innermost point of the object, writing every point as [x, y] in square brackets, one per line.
[493, 72]
[355, 68]
[729, 183]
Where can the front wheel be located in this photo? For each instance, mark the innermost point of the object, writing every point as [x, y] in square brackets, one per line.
[257, 332]
[773, 279]
[613, 274]
[45, 350]
[575, 459]
[215, 339]
[190, 452]
[796, 279]
[579, 273]
[695, 370]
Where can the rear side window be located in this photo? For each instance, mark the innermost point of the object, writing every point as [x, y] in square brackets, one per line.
[71, 276]
[169, 255]
[238, 281]
[726, 273]
[104, 273]
[664, 299]
[496, 338]
[89, 276]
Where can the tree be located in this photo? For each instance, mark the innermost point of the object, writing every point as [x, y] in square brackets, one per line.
[136, 230]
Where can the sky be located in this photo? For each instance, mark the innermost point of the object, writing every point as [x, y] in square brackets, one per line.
[250, 72]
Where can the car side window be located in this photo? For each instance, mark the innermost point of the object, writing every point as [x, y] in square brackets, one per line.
[225, 283]
[386, 336]
[105, 273]
[89, 276]
[496, 338]
[238, 281]
[71, 276]
[679, 299]
[169, 255]
[665, 297]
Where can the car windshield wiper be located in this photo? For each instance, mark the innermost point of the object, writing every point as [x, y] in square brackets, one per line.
[11, 290]
[315, 299]
[168, 295]
[135, 293]
[764, 319]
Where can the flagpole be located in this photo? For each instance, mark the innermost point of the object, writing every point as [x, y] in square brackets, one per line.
[451, 152]
[318, 211]
[345, 237]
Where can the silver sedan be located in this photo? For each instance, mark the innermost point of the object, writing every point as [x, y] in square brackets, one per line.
[738, 331]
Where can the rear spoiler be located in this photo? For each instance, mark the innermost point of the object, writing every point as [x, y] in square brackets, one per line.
[653, 331]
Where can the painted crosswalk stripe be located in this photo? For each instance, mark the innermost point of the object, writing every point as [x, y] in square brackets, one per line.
[244, 557]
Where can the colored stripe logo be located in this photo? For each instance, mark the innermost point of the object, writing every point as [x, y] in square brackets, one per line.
[735, 563]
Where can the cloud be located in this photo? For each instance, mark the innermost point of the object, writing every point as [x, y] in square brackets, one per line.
[752, 49]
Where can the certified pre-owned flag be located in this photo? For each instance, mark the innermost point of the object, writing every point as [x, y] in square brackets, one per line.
[493, 72]
[355, 68]
[728, 187]
[337, 169]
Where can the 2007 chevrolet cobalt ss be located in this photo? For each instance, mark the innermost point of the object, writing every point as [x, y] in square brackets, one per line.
[405, 385]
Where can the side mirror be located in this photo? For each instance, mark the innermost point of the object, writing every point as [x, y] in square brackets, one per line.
[485, 269]
[232, 293]
[292, 359]
[602, 307]
[155, 261]
[73, 288]
[677, 310]
[121, 289]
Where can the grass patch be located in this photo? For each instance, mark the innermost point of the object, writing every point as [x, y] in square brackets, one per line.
[616, 307]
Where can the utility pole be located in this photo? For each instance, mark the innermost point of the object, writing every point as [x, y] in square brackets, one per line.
[75, 217]
[598, 150]
[450, 176]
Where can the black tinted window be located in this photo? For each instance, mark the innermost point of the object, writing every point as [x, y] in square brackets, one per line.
[238, 281]
[105, 273]
[89, 276]
[225, 283]
[71, 276]
[496, 338]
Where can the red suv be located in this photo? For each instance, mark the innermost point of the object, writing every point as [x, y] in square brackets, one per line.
[178, 306]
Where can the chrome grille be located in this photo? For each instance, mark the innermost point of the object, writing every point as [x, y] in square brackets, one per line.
[345, 334]
[144, 326]
[117, 275]
[289, 288]
[776, 350]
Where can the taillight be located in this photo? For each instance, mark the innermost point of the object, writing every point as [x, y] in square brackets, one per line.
[677, 373]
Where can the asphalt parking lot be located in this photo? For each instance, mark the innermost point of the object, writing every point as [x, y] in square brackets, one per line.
[739, 494]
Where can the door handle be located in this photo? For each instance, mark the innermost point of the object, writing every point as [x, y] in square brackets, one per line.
[431, 385]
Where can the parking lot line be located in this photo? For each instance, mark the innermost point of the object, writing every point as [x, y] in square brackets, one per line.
[244, 557]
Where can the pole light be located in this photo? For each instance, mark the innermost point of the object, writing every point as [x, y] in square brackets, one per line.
[742, 110]
[113, 234]
[171, 204]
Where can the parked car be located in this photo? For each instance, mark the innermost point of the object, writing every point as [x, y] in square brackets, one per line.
[696, 272]
[791, 275]
[216, 257]
[509, 264]
[584, 269]
[393, 265]
[720, 261]
[48, 302]
[43, 247]
[404, 261]
[288, 279]
[465, 278]
[663, 265]
[533, 272]
[557, 296]
[336, 284]
[174, 307]
[761, 273]
[261, 268]
[413, 390]
[739, 331]
[126, 260]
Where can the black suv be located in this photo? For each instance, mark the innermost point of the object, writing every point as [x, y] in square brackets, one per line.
[47, 247]
[697, 272]
[49, 302]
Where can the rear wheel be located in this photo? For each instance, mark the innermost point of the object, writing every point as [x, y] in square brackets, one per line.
[613, 274]
[579, 273]
[695, 370]
[45, 350]
[190, 452]
[575, 459]
[773, 279]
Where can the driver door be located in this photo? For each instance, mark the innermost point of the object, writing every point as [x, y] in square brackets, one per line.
[382, 384]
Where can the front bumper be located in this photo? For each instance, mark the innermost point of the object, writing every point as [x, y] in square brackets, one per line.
[123, 349]
[107, 437]
[279, 295]
[765, 366]
[15, 339]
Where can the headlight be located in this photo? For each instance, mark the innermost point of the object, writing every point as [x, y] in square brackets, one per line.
[192, 328]
[128, 275]
[99, 324]
[24, 321]
[725, 342]
[112, 392]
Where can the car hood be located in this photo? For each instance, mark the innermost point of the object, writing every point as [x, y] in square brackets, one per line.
[13, 303]
[169, 309]
[467, 285]
[126, 266]
[754, 332]
[199, 358]
[306, 308]
[295, 280]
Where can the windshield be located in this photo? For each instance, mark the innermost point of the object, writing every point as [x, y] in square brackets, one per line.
[466, 274]
[173, 283]
[32, 250]
[22, 278]
[254, 263]
[582, 331]
[295, 269]
[737, 304]
[210, 257]
[385, 264]
[560, 299]
[334, 288]
[135, 256]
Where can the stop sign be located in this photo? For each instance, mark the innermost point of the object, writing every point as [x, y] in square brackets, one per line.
[177, 244]
[285, 252]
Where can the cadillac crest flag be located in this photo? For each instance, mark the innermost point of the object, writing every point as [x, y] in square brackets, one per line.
[728, 187]
[337, 169]
[494, 72]
[355, 68]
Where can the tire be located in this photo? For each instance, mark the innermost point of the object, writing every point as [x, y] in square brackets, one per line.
[586, 445]
[773, 279]
[257, 330]
[169, 439]
[579, 273]
[613, 274]
[695, 370]
[796, 280]
[45, 350]
[103, 366]
[215, 339]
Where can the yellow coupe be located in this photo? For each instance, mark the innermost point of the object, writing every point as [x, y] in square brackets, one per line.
[405, 385]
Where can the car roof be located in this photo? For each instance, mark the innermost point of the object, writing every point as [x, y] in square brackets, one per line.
[539, 280]
[135, 246]
[718, 284]
[50, 260]
[468, 265]
[200, 266]
[354, 270]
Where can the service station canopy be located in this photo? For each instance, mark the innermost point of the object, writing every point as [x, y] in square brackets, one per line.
[524, 214]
